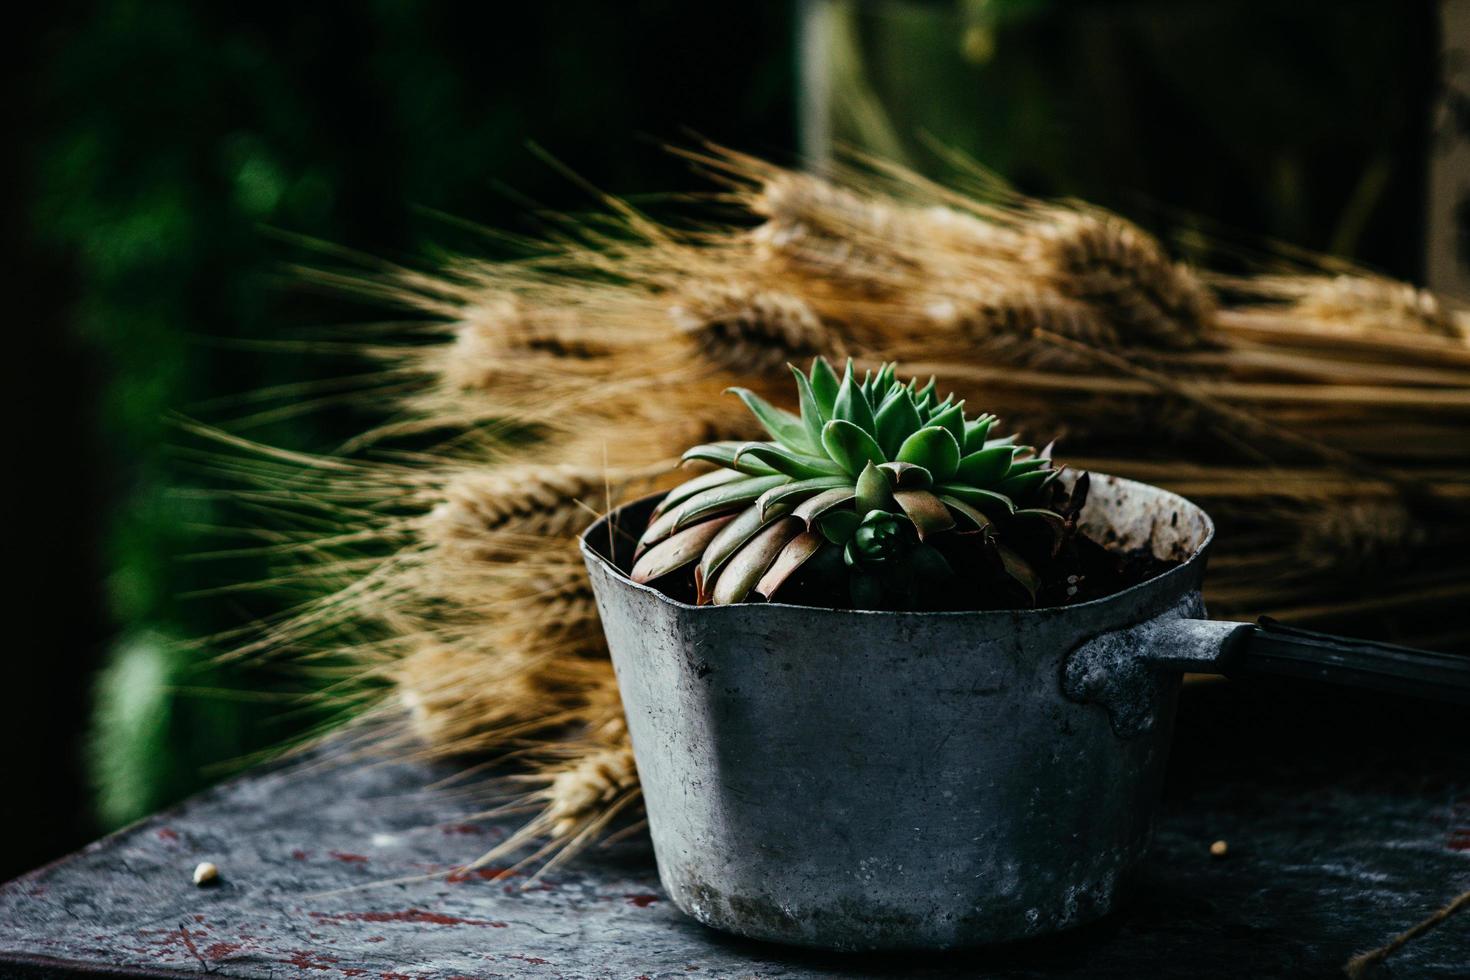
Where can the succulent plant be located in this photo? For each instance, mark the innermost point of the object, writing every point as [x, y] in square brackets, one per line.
[877, 495]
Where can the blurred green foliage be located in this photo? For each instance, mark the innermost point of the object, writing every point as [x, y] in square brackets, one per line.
[180, 132]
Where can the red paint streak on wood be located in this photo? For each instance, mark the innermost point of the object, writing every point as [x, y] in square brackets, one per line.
[218, 951]
[395, 976]
[1459, 839]
[189, 942]
[346, 858]
[642, 901]
[375, 939]
[463, 828]
[306, 960]
[487, 873]
[533, 960]
[353, 971]
[407, 915]
[300, 855]
[168, 833]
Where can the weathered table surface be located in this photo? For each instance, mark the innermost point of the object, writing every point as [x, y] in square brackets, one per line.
[1336, 843]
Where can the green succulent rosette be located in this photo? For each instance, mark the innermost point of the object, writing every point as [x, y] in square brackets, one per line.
[877, 494]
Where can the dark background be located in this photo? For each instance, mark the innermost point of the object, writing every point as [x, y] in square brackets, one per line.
[156, 145]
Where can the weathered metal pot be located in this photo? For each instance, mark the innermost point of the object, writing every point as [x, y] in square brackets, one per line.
[870, 780]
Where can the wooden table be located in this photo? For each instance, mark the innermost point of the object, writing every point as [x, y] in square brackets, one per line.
[1336, 842]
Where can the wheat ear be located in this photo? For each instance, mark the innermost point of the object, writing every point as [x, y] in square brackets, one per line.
[1107, 261]
[744, 326]
[1003, 319]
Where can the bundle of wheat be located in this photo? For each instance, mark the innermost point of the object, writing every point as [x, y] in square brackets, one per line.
[1322, 419]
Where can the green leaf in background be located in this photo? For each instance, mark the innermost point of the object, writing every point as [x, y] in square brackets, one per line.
[174, 137]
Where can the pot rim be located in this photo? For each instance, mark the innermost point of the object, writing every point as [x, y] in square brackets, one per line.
[1184, 568]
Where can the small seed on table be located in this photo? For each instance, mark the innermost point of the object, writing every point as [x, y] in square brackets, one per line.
[1219, 849]
[205, 873]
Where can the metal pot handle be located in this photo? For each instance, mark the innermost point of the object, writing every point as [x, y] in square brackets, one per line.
[1123, 670]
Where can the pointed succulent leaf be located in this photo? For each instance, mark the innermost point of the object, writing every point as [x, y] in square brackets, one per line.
[726, 497]
[924, 398]
[926, 511]
[811, 412]
[659, 528]
[972, 514]
[851, 405]
[792, 557]
[875, 390]
[824, 385]
[838, 526]
[797, 491]
[850, 446]
[953, 420]
[1018, 487]
[908, 475]
[730, 539]
[1018, 569]
[813, 507]
[884, 400]
[897, 419]
[664, 518]
[1031, 465]
[986, 467]
[746, 567]
[783, 460]
[987, 500]
[784, 427]
[975, 432]
[1080, 488]
[677, 551]
[933, 448]
[1010, 440]
[690, 487]
[723, 454]
[872, 490]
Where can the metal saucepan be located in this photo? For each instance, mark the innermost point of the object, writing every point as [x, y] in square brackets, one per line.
[868, 780]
